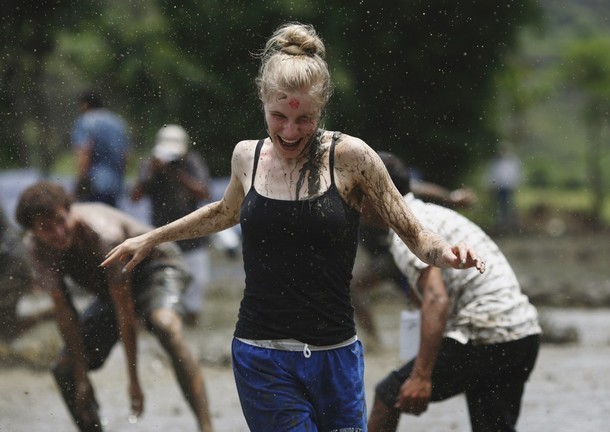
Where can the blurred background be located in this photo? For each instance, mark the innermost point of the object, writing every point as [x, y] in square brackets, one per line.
[449, 86]
[442, 83]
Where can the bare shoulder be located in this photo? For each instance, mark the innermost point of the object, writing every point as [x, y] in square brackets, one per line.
[242, 161]
[352, 163]
[243, 153]
[350, 144]
[110, 223]
[244, 147]
[354, 157]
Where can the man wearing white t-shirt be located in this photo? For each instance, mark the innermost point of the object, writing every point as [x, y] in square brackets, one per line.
[479, 333]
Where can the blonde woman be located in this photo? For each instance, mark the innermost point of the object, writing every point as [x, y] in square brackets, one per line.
[298, 194]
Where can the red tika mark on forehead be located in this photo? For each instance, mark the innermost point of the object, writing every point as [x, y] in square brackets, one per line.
[294, 103]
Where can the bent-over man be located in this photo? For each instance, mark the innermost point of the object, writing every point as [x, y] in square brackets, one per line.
[71, 240]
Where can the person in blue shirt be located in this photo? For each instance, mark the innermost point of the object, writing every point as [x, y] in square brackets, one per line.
[101, 142]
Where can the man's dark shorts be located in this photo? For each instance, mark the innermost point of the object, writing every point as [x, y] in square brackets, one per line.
[467, 368]
[160, 289]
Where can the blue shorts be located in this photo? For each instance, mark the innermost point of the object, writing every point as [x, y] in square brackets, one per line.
[285, 391]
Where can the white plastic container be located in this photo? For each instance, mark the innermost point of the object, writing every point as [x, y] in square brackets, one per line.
[409, 334]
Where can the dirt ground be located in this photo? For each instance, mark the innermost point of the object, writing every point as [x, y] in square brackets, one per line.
[569, 388]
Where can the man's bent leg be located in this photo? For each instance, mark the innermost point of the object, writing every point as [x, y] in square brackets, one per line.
[98, 345]
[86, 413]
[166, 324]
[383, 418]
[452, 373]
[495, 403]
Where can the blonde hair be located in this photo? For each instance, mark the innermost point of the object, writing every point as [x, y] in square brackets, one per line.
[293, 59]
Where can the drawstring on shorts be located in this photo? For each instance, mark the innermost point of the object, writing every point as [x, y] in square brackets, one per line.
[306, 351]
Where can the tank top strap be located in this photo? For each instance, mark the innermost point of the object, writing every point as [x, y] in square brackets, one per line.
[331, 157]
[257, 153]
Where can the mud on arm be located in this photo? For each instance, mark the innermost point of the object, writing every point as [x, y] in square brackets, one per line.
[207, 220]
[382, 196]
[427, 245]
[70, 329]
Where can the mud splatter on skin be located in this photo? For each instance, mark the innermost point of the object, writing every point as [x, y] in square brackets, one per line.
[313, 166]
[302, 182]
[427, 245]
[206, 218]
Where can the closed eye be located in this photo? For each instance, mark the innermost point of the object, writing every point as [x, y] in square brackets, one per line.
[278, 115]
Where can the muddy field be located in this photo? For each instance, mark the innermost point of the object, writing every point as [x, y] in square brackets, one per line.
[568, 278]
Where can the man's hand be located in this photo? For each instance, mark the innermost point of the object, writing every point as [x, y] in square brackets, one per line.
[462, 198]
[83, 393]
[414, 395]
[137, 399]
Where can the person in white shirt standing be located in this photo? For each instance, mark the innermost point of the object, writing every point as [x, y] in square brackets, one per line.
[479, 333]
[504, 176]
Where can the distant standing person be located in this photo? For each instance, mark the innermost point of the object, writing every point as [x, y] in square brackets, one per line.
[101, 142]
[70, 240]
[504, 175]
[298, 193]
[177, 181]
[479, 333]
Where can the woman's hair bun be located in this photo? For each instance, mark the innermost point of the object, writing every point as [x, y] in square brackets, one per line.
[298, 39]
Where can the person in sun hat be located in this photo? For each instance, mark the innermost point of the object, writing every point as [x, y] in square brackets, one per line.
[176, 179]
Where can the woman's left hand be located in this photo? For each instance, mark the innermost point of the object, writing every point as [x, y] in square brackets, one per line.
[462, 256]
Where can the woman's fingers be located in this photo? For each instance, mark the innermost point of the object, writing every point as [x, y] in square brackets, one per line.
[466, 257]
[119, 253]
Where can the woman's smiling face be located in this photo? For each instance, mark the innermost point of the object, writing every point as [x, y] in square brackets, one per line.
[292, 119]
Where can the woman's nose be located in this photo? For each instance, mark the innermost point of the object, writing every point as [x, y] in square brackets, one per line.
[291, 130]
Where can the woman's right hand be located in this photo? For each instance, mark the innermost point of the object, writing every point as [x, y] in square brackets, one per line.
[132, 251]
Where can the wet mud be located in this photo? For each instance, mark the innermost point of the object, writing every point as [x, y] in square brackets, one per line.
[567, 278]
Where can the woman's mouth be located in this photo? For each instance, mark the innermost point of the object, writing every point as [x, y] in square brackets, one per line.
[291, 144]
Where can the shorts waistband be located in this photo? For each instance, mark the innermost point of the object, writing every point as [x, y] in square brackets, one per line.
[295, 345]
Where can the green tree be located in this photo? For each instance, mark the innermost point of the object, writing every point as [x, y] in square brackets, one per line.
[587, 70]
[423, 78]
[415, 78]
[27, 38]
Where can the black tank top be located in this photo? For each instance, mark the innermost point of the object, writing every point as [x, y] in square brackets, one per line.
[298, 261]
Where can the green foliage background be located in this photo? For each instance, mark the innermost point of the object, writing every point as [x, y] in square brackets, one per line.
[416, 78]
